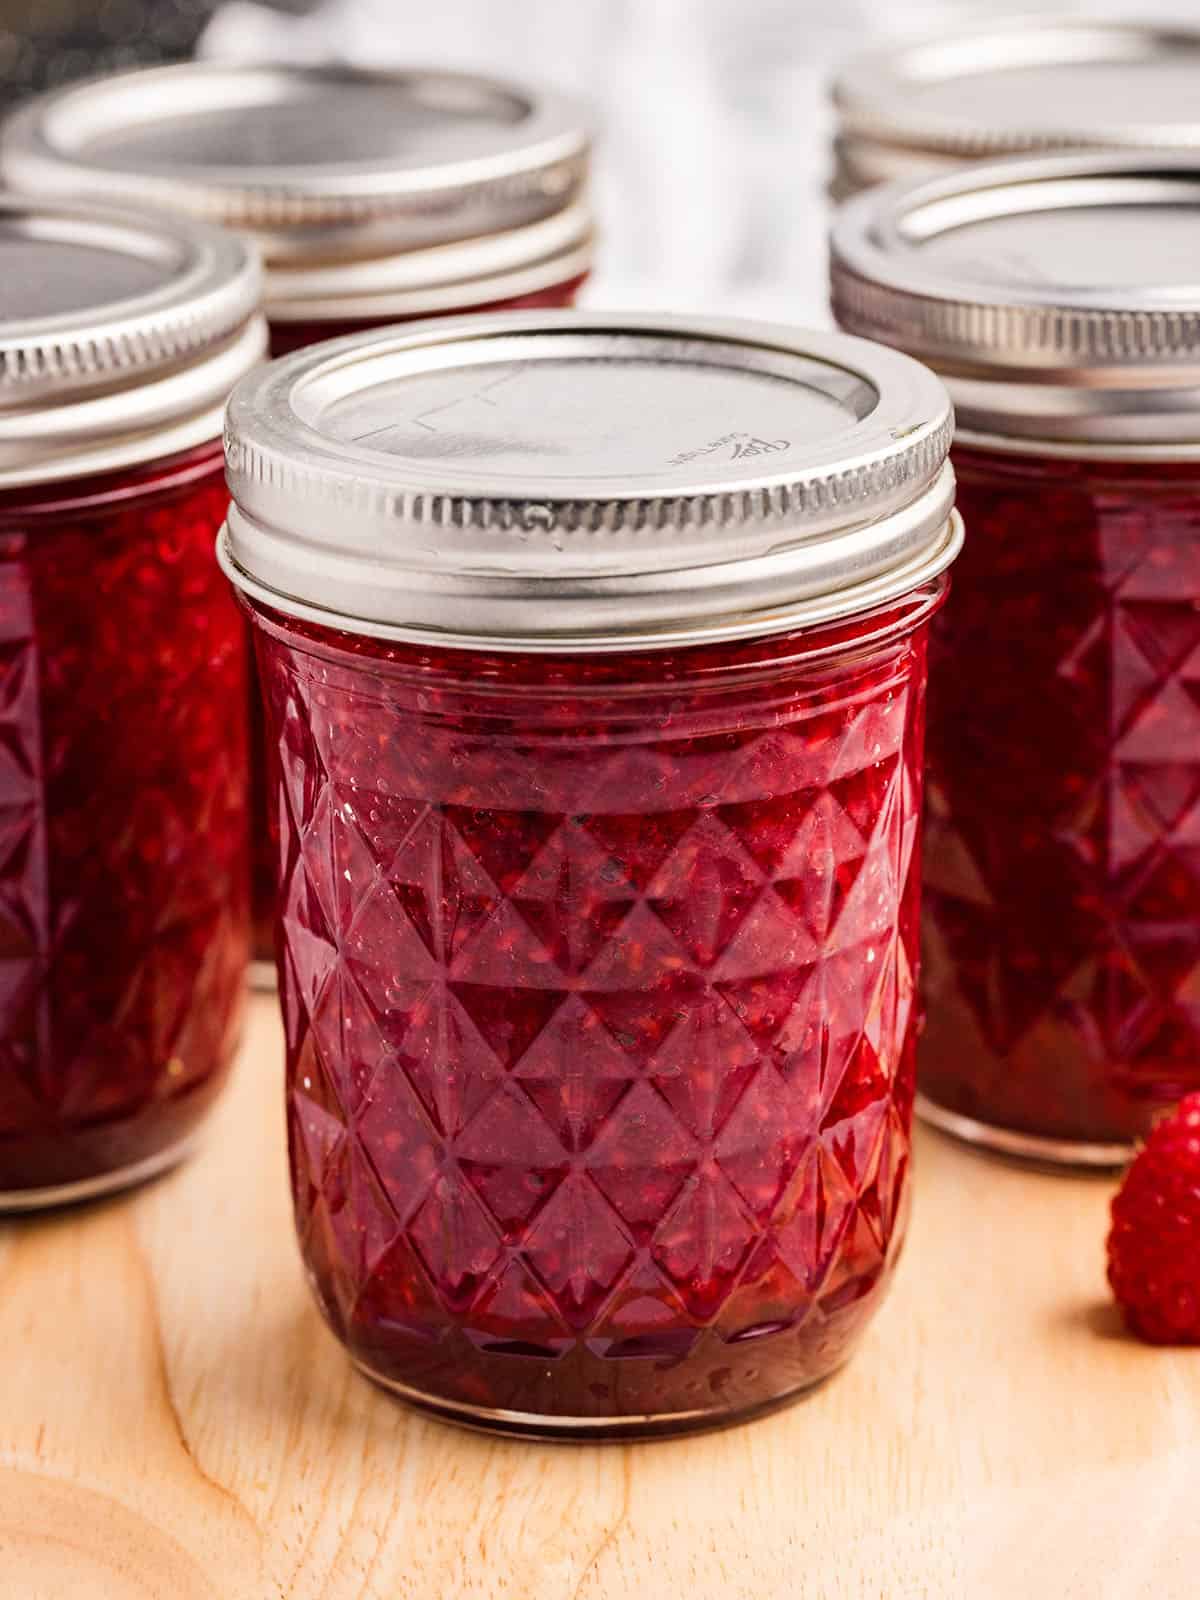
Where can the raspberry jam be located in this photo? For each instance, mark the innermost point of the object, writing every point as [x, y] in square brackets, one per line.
[374, 198]
[595, 736]
[123, 686]
[1062, 905]
[287, 337]
[598, 984]
[122, 879]
[1081, 1025]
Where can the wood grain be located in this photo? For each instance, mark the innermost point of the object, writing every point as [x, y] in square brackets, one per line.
[175, 1422]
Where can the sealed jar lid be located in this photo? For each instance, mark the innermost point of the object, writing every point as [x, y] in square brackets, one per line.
[1059, 297]
[370, 194]
[1026, 84]
[538, 481]
[120, 336]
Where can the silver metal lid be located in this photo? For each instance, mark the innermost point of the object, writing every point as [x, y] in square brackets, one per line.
[448, 277]
[339, 174]
[535, 481]
[1058, 296]
[120, 336]
[1031, 83]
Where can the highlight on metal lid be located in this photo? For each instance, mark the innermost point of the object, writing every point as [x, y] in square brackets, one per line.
[532, 481]
[120, 335]
[394, 191]
[1031, 83]
[1058, 296]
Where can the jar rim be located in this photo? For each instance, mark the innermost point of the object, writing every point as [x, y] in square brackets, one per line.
[1017, 444]
[930, 97]
[438, 279]
[932, 593]
[132, 329]
[1052, 293]
[581, 480]
[420, 157]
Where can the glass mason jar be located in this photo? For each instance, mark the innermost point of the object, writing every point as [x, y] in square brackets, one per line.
[373, 197]
[1062, 904]
[123, 904]
[1009, 86]
[596, 728]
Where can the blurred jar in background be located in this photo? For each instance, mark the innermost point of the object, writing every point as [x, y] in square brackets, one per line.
[1010, 87]
[374, 198]
[1059, 299]
[911, 110]
[595, 651]
[123, 672]
[711, 175]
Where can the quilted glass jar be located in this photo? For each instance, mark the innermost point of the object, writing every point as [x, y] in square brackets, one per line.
[374, 197]
[123, 671]
[595, 722]
[1013, 85]
[1062, 881]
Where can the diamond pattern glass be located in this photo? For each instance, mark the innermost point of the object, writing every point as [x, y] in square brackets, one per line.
[287, 337]
[123, 900]
[598, 979]
[1062, 882]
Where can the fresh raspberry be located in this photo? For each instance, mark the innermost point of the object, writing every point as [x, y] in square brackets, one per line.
[1154, 1244]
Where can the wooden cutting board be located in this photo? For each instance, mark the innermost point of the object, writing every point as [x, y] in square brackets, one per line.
[176, 1422]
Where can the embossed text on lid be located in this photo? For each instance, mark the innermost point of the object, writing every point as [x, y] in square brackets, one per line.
[531, 479]
[546, 403]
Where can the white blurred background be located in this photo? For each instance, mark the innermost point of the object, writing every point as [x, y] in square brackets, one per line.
[714, 154]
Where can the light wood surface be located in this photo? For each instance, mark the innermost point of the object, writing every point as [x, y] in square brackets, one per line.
[176, 1422]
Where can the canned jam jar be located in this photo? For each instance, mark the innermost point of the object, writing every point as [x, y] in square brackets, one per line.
[374, 197]
[1014, 85]
[123, 895]
[1059, 299]
[593, 652]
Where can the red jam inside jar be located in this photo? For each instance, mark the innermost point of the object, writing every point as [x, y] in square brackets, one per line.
[598, 985]
[123, 794]
[1062, 908]
[406, 194]
[1062, 903]
[287, 337]
[124, 866]
[595, 739]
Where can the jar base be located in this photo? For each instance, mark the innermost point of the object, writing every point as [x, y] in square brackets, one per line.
[20, 1201]
[1031, 1148]
[586, 1430]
